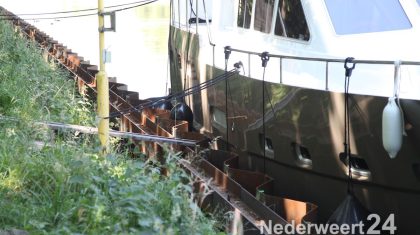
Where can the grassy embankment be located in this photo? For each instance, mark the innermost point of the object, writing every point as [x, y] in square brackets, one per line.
[65, 186]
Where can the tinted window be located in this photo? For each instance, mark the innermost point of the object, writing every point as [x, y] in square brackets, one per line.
[263, 15]
[244, 13]
[365, 16]
[290, 20]
[418, 2]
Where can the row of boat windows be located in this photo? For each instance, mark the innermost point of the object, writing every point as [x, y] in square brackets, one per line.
[347, 16]
[289, 21]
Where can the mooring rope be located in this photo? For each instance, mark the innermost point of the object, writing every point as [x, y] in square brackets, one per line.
[189, 91]
[347, 150]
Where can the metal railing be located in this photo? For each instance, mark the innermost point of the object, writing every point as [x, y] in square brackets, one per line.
[119, 134]
[327, 61]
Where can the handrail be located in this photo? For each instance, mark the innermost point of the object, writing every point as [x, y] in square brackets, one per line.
[316, 59]
[119, 134]
[328, 60]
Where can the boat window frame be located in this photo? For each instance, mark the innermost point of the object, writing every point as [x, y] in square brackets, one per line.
[269, 27]
[284, 26]
[273, 22]
[251, 20]
[377, 31]
[218, 118]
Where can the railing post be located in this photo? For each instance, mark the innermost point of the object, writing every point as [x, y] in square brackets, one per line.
[326, 75]
[196, 17]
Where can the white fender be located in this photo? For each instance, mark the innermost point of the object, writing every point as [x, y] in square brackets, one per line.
[392, 128]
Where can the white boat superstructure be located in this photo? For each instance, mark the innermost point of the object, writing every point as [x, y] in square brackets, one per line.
[327, 36]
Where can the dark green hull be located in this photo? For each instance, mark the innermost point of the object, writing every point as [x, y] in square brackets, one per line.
[312, 119]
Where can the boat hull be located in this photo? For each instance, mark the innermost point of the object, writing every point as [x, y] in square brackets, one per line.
[299, 138]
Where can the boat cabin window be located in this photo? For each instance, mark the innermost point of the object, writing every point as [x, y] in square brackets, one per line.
[263, 15]
[291, 21]
[361, 16]
[244, 13]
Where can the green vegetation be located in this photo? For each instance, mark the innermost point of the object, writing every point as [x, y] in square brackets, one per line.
[64, 186]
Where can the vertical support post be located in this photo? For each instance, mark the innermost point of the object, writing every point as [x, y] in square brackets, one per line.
[102, 85]
[249, 64]
[179, 14]
[187, 23]
[281, 70]
[196, 17]
[173, 12]
[228, 51]
[326, 76]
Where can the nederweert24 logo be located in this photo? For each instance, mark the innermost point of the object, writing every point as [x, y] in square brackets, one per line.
[375, 227]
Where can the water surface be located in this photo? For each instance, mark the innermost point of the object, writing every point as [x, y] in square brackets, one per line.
[138, 47]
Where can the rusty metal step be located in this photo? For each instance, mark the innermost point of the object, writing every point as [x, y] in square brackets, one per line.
[259, 188]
